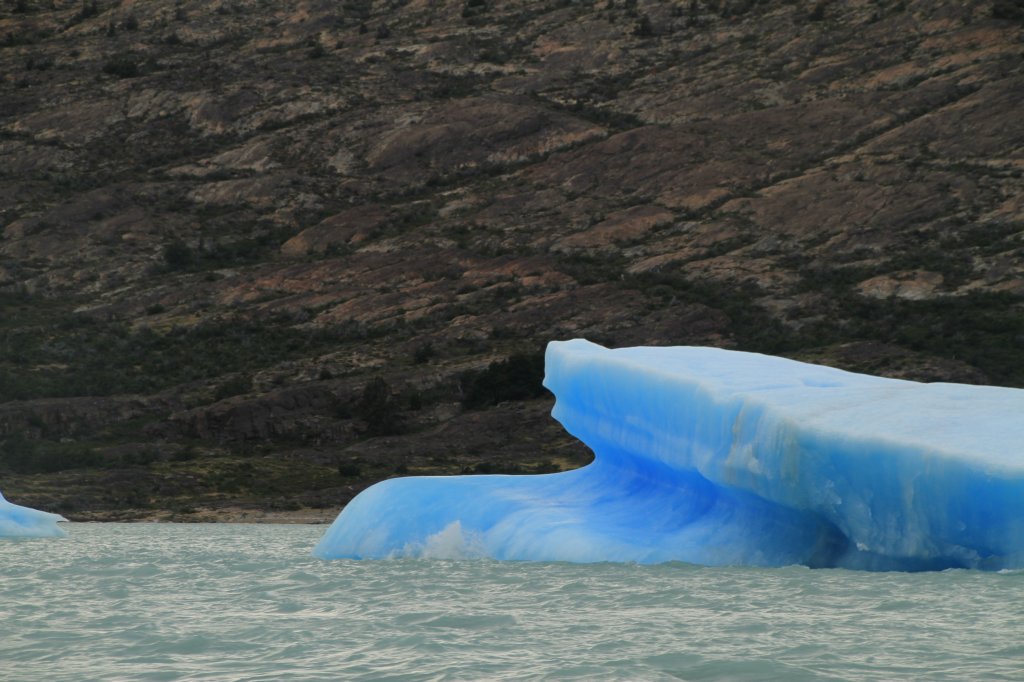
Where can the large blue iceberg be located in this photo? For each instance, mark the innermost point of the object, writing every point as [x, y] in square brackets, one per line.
[23, 522]
[721, 457]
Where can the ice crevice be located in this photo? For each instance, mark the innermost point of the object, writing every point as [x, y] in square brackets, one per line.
[720, 457]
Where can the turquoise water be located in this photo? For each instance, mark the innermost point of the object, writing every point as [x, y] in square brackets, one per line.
[247, 602]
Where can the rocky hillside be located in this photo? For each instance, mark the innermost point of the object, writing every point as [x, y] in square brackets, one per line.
[261, 254]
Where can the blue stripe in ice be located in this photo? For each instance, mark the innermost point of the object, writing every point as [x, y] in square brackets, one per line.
[721, 457]
[23, 522]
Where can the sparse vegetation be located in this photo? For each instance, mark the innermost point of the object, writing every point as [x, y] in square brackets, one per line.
[22, 455]
[269, 261]
[85, 356]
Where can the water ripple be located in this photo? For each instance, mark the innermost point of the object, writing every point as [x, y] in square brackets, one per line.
[218, 602]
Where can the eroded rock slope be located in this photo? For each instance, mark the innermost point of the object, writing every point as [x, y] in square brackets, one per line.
[264, 253]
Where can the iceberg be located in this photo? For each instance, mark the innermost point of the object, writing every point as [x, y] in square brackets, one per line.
[719, 457]
[23, 522]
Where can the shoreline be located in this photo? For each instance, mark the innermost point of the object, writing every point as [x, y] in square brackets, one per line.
[211, 515]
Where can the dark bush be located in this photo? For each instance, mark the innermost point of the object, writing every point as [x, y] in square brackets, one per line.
[236, 385]
[520, 377]
[178, 255]
[644, 28]
[186, 454]
[122, 66]
[423, 353]
[1008, 9]
[349, 470]
[378, 409]
[89, 9]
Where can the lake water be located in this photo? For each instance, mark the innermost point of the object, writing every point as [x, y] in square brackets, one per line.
[247, 602]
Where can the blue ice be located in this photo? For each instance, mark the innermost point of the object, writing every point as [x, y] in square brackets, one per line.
[721, 457]
[22, 522]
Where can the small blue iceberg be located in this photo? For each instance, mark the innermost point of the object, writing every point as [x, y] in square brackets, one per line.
[23, 522]
[720, 457]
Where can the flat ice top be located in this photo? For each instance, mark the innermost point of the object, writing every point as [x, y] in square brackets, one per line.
[982, 424]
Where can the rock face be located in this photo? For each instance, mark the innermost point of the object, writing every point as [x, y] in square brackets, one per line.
[222, 224]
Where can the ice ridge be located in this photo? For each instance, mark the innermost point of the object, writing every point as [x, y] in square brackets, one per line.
[719, 457]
